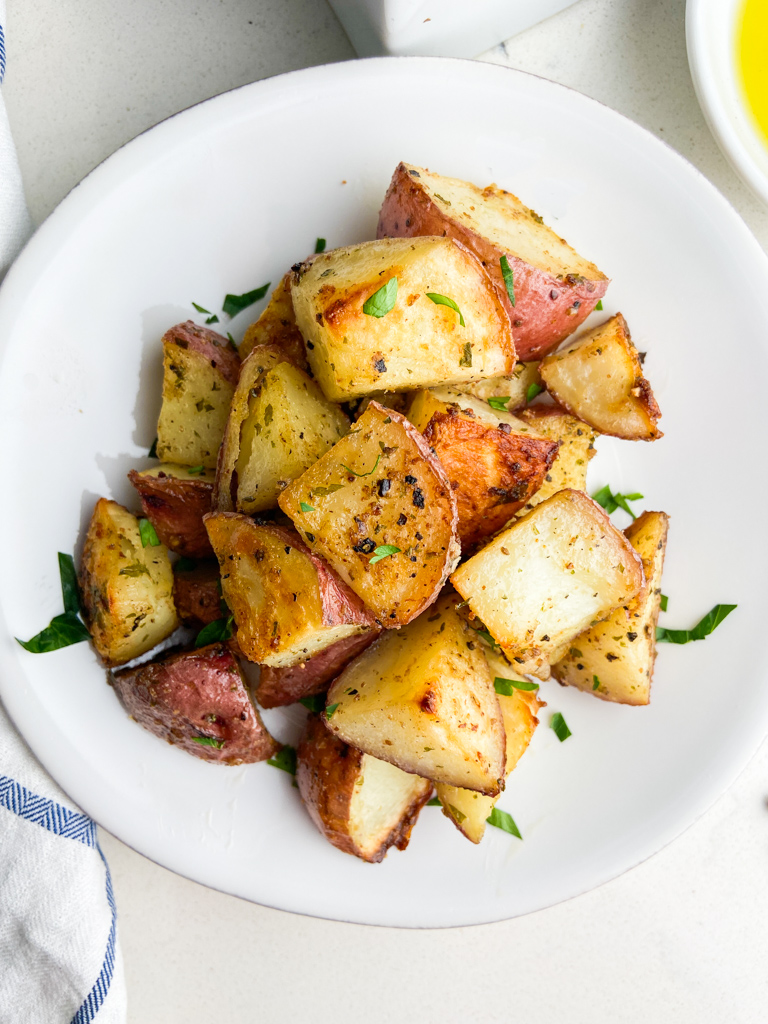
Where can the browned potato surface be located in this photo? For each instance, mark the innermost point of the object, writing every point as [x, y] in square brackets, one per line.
[277, 326]
[199, 701]
[197, 593]
[425, 403]
[287, 603]
[126, 589]
[614, 659]
[555, 289]
[417, 343]
[599, 378]
[380, 488]
[175, 501]
[577, 446]
[362, 805]
[514, 387]
[200, 370]
[548, 576]
[422, 697]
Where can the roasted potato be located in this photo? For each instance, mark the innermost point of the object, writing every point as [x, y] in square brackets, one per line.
[277, 326]
[422, 697]
[286, 602]
[548, 576]
[554, 288]
[418, 341]
[492, 473]
[362, 805]
[126, 589]
[280, 686]
[200, 370]
[514, 387]
[197, 593]
[199, 701]
[577, 446]
[614, 659]
[425, 403]
[378, 506]
[279, 424]
[175, 501]
[599, 378]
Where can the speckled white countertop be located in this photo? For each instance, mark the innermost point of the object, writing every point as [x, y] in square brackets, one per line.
[679, 939]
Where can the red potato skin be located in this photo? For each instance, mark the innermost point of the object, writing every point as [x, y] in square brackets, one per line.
[326, 772]
[196, 594]
[220, 350]
[176, 507]
[545, 310]
[175, 697]
[280, 686]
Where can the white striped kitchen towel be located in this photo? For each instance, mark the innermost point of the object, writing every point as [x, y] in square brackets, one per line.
[59, 958]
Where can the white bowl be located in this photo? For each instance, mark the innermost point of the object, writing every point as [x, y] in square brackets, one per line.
[710, 27]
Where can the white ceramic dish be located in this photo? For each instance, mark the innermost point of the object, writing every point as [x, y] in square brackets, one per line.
[710, 28]
[224, 197]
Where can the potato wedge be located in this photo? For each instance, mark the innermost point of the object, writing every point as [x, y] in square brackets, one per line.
[599, 378]
[514, 387]
[418, 342]
[422, 698]
[614, 659]
[175, 501]
[362, 805]
[279, 424]
[197, 593]
[126, 589]
[378, 507]
[199, 701]
[555, 289]
[280, 686]
[277, 326]
[200, 370]
[577, 446]
[493, 473]
[286, 602]
[548, 576]
[425, 403]
[469, 811]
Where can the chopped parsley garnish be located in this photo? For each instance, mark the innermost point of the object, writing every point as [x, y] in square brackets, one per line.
[152, 453]
[69, 591]
[504, 821]
[201, 309]
[221, 629]
[234, 304]
[184, 564]
[599, 305]
[558, 726]
[232, 340]
[383, 551]
[509, 278]
[506, 687]
[457, 815]
[499, 404]
[208, 741]
[466, 355]
[149, 538]
[434, 802]
[285, 760]
[306, 508]
[702, 629]
[611, 501]
[63, 630]
[443, 300]
[331, 710]
[196, 470]
[212, 319]
[664, 602]
[314, 703]
[136, 569]
[320, 245]
[382, 301]
[378, 459]
[533, 390]
[595, 682]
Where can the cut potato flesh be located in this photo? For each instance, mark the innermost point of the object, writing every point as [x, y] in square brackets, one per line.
[427, 402]
[548, 576]
[554, 288]
[422, 698]
[378, 507]
[514, 387]
[577, 446]
[418, 342]
[277, 326]
[614, 659]
[175, 501]
[286, 602]
[126, 589]
[362, 805]
[599, 378]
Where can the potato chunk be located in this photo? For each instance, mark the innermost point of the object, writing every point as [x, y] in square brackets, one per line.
[286, 602]
[513, 387]
[279, 424]
[418, 342]
[426, 403]
[197, 593]
[555, 289]
[548, 576]
[277, 326]
[380, 492]
[127, 589]
[577, 446]
[614, 659]
[423, 698]
[200, 370]
[599, 378]
[199, 701]
[175, 501]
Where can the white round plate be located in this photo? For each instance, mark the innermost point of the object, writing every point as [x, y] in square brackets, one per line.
[225, 197]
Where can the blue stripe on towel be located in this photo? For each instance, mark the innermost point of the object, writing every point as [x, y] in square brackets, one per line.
[97, 995]
[2, 54]
[46, 813]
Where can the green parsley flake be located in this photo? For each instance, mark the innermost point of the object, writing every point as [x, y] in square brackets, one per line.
[320, 245]
[152, 453]
[383, 551]
[331, 710]
[558, 726]
[196, 470]
[378, 459]
[457, 815]
[208, 741]
[443, 300]
[599, 305]
[148, 535]
[306, 508]
[507, 687]
[434, 802]
[184, 564]
[285, 759]
[314, 703]
[69, 588]
[466, 356]
[595, 682]
[533, 390]
[201, 309]
[702, 629]
[509, 278]
[499, 404]
[234, 304]
[62, 631]
[382, 301]
[611, 501]
[664, 602]
[136, 569]
[216, 631]
[212, 319]
[504, 821]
